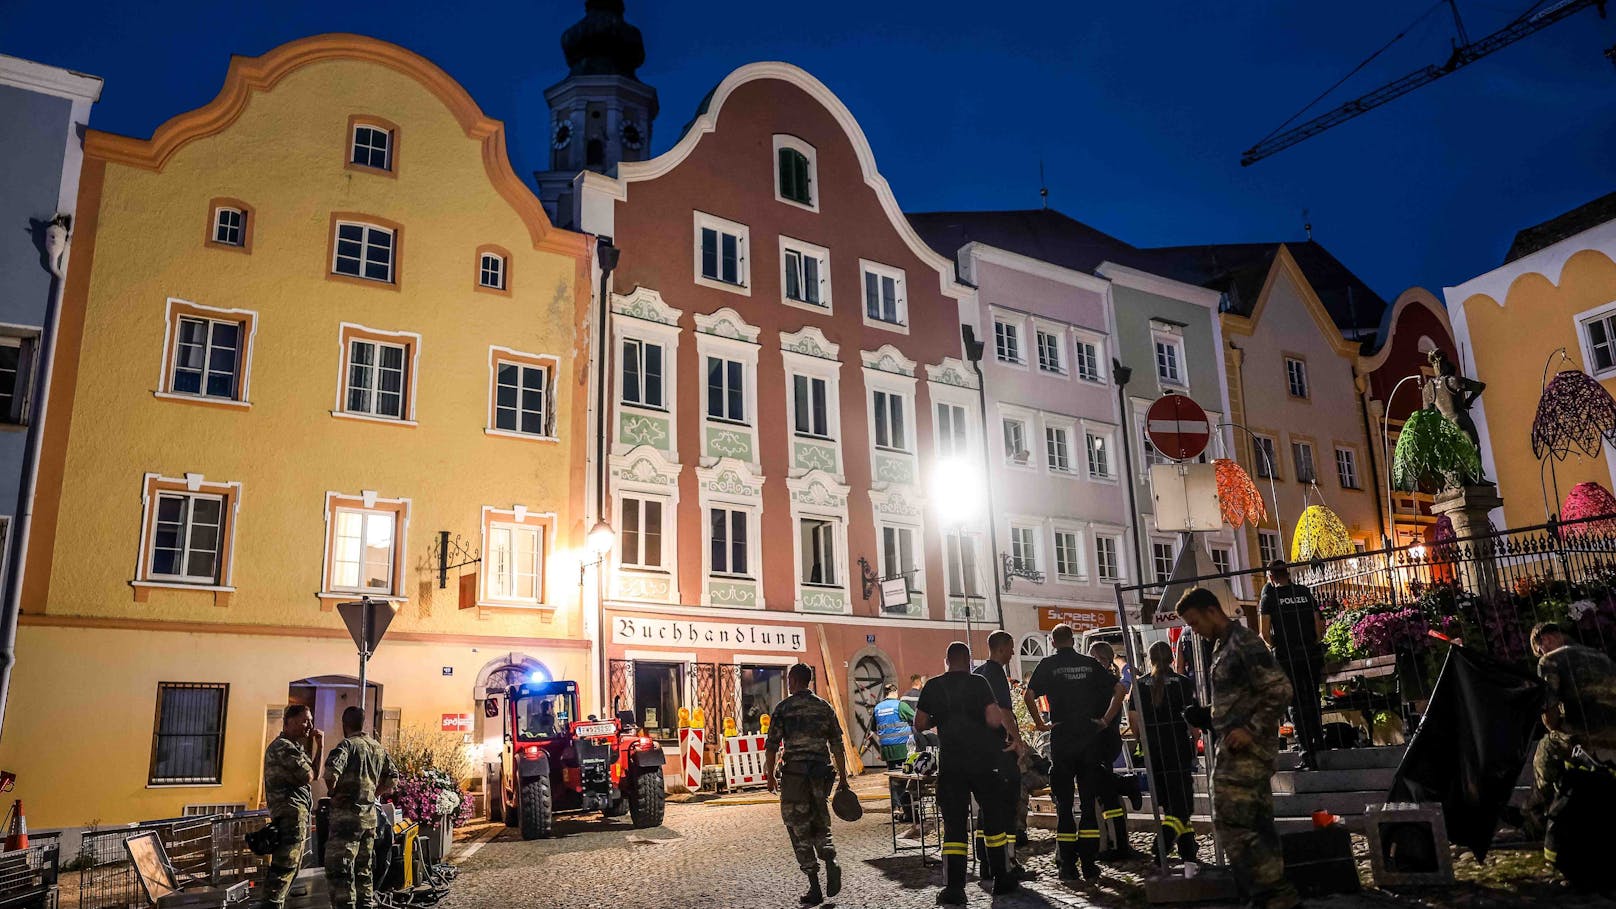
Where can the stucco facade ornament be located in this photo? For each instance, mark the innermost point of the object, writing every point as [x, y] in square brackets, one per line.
[952, 371]
[895, 504]
[888, 359]
[811, 342]
[732, 478]
[645, 303]
[727, 323]
[818, 490]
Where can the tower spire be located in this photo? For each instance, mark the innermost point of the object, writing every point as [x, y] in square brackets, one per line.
[1043, 186]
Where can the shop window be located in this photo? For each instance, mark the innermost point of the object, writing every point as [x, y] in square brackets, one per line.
[658, 696]
[762, 688]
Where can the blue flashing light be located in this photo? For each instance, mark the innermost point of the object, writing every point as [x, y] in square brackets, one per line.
[537, 677]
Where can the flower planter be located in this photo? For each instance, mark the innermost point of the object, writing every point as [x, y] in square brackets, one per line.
[439, 839]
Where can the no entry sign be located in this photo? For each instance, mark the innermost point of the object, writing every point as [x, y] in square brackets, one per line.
[1178, 427]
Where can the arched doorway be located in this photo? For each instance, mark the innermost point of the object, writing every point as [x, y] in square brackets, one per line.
[497, 674]
[327, 696]
[869, 672]
[1034, 647]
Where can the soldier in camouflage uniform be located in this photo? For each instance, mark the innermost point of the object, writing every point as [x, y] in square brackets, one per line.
[1249, 695]
[806, 729]
[289, 764]
[357, 772]
[1579, 709]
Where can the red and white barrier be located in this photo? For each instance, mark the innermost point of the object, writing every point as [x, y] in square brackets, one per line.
[743, 761]
[692, 740]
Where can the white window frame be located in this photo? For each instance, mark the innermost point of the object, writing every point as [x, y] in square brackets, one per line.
[1060, 366]
[1312, 461]
[645, 318]
[1101, 364]
[387, 150]
[900, 302]
[728, 388]
[365, 245]
[1076, 552]
[240, 227]
[972, 586]
[827, 531]
[409, 340]
[804, 249]
[1605, 314]
[223, 534]
[1350, 463]
[1107, 439]
[664, 517]
[1296, 376]
[645, 473]
[1270, 452]
[782, 140]
[1026, 539]
[491, 561]
[743, 264]
[1119, 571]
[818, 496]
[809, 381]
[752, 527]
[547, 366]
[242, 340]
[1275, 552]
[881, 400]
[917, 552]
[1025, 422]
[1172, 338]
[1158, 576]
[1008, 332]
[498, 271]
[394, 551]
[642, 343]
[1228, 558]
[956, 441]
[1067, 432]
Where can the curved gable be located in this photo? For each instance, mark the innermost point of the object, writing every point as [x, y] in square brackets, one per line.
[250, 75]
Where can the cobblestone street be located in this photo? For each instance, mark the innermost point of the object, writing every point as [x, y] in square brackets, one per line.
[728, 855]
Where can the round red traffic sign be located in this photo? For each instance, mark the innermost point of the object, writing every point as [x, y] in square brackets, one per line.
[1178, 427]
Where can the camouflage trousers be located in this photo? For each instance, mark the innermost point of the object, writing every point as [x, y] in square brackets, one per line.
[1243, 818]
[293, 825]
[350, 858]
[805, 808]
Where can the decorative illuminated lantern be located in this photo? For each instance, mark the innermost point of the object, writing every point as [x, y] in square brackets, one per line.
[684, 717]
[1433, 449]
[1574, 412]
[1588, 500]
[1237, 495]
[1319, 534]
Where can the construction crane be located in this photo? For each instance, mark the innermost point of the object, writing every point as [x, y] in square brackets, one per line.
[1465, 52]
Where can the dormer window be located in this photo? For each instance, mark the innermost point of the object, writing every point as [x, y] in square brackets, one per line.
[372, 144]
[794, 172]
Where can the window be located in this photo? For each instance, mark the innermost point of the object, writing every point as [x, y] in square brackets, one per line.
[187, 538]
[1088, 361]
[1267, 465]
[762, 687]
[1302, 455]
[363, 549]
[1169, 360]
[951, 431]
[1099, 456]
[1161, 560]
[229, 226]
[658, 697]
[806, 273]
[188, 741]
[1602, 342]
[1058, 448]
[720, 252]
[898, 553]
[521, 402]
[207, 357]
[642, 373]
[883, 295]
[641, 543]
[1068, 554]
[889, 421]
[1015, 441]
[376, 375]
[491, 271]
[372, 146]
[1049, 353]
[1007, 342]
[515, 562]
[1346, 468]
[1105, 558]
[963, 577]
[812, 415]
[795, 172]
[1220, 560]
[1024, 548]
[1267, 546]
[1296, 377]
[364, 251]
[729, 534]
[819, 552]
[726, 390]
[16, 369]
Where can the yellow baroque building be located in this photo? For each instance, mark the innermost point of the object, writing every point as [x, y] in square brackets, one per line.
[308, 330]
[1550, 306]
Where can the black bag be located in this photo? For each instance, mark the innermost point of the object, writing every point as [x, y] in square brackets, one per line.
[264, 840]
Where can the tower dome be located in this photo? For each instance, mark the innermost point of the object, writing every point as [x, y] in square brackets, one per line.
[601, 43]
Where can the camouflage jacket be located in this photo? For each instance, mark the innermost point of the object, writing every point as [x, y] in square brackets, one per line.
[1581, 682]
[287, 771]
[359, 766]
[1248, 688]
[804, 727]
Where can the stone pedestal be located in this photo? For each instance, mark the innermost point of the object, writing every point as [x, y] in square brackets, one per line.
[1467, 507]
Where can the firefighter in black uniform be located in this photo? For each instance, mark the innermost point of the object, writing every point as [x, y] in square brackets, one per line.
[1084, 697]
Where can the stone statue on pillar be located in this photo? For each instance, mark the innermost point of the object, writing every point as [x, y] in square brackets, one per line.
[1451, 394]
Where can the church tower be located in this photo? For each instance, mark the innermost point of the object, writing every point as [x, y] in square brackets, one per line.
[601, 113]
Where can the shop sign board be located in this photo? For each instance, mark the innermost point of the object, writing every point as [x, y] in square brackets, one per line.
[631, 629]
[1079, 618]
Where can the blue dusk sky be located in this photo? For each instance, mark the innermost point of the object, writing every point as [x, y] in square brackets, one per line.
[1139, 111]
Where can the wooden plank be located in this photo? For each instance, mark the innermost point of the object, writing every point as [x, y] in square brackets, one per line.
[855, 764]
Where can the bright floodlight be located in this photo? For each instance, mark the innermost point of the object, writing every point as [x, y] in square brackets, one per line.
[602, 538]
[958, 491]
[537, 677]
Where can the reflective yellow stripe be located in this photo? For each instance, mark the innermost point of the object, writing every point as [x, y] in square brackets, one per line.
[1089, 834]
[1171, 823]
[1066, 837]
[1000, 839]
[1114, 812]
[1550, 855]
[955, 849]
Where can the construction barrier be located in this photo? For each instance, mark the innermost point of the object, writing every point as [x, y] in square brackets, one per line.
[743, 761]
[691, 741]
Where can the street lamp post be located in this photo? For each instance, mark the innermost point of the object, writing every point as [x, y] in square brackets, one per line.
[600, 542]
[973, 353]
[1386, 460]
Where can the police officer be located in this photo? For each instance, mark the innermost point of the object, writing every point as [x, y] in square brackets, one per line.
[289, 764]
[1084, 697]
[805, 739]
[1292, 624]
[1579, 709]
[1249, 693]
[1001, 650]
[974, 736]
[357, 772]
[892, 724]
